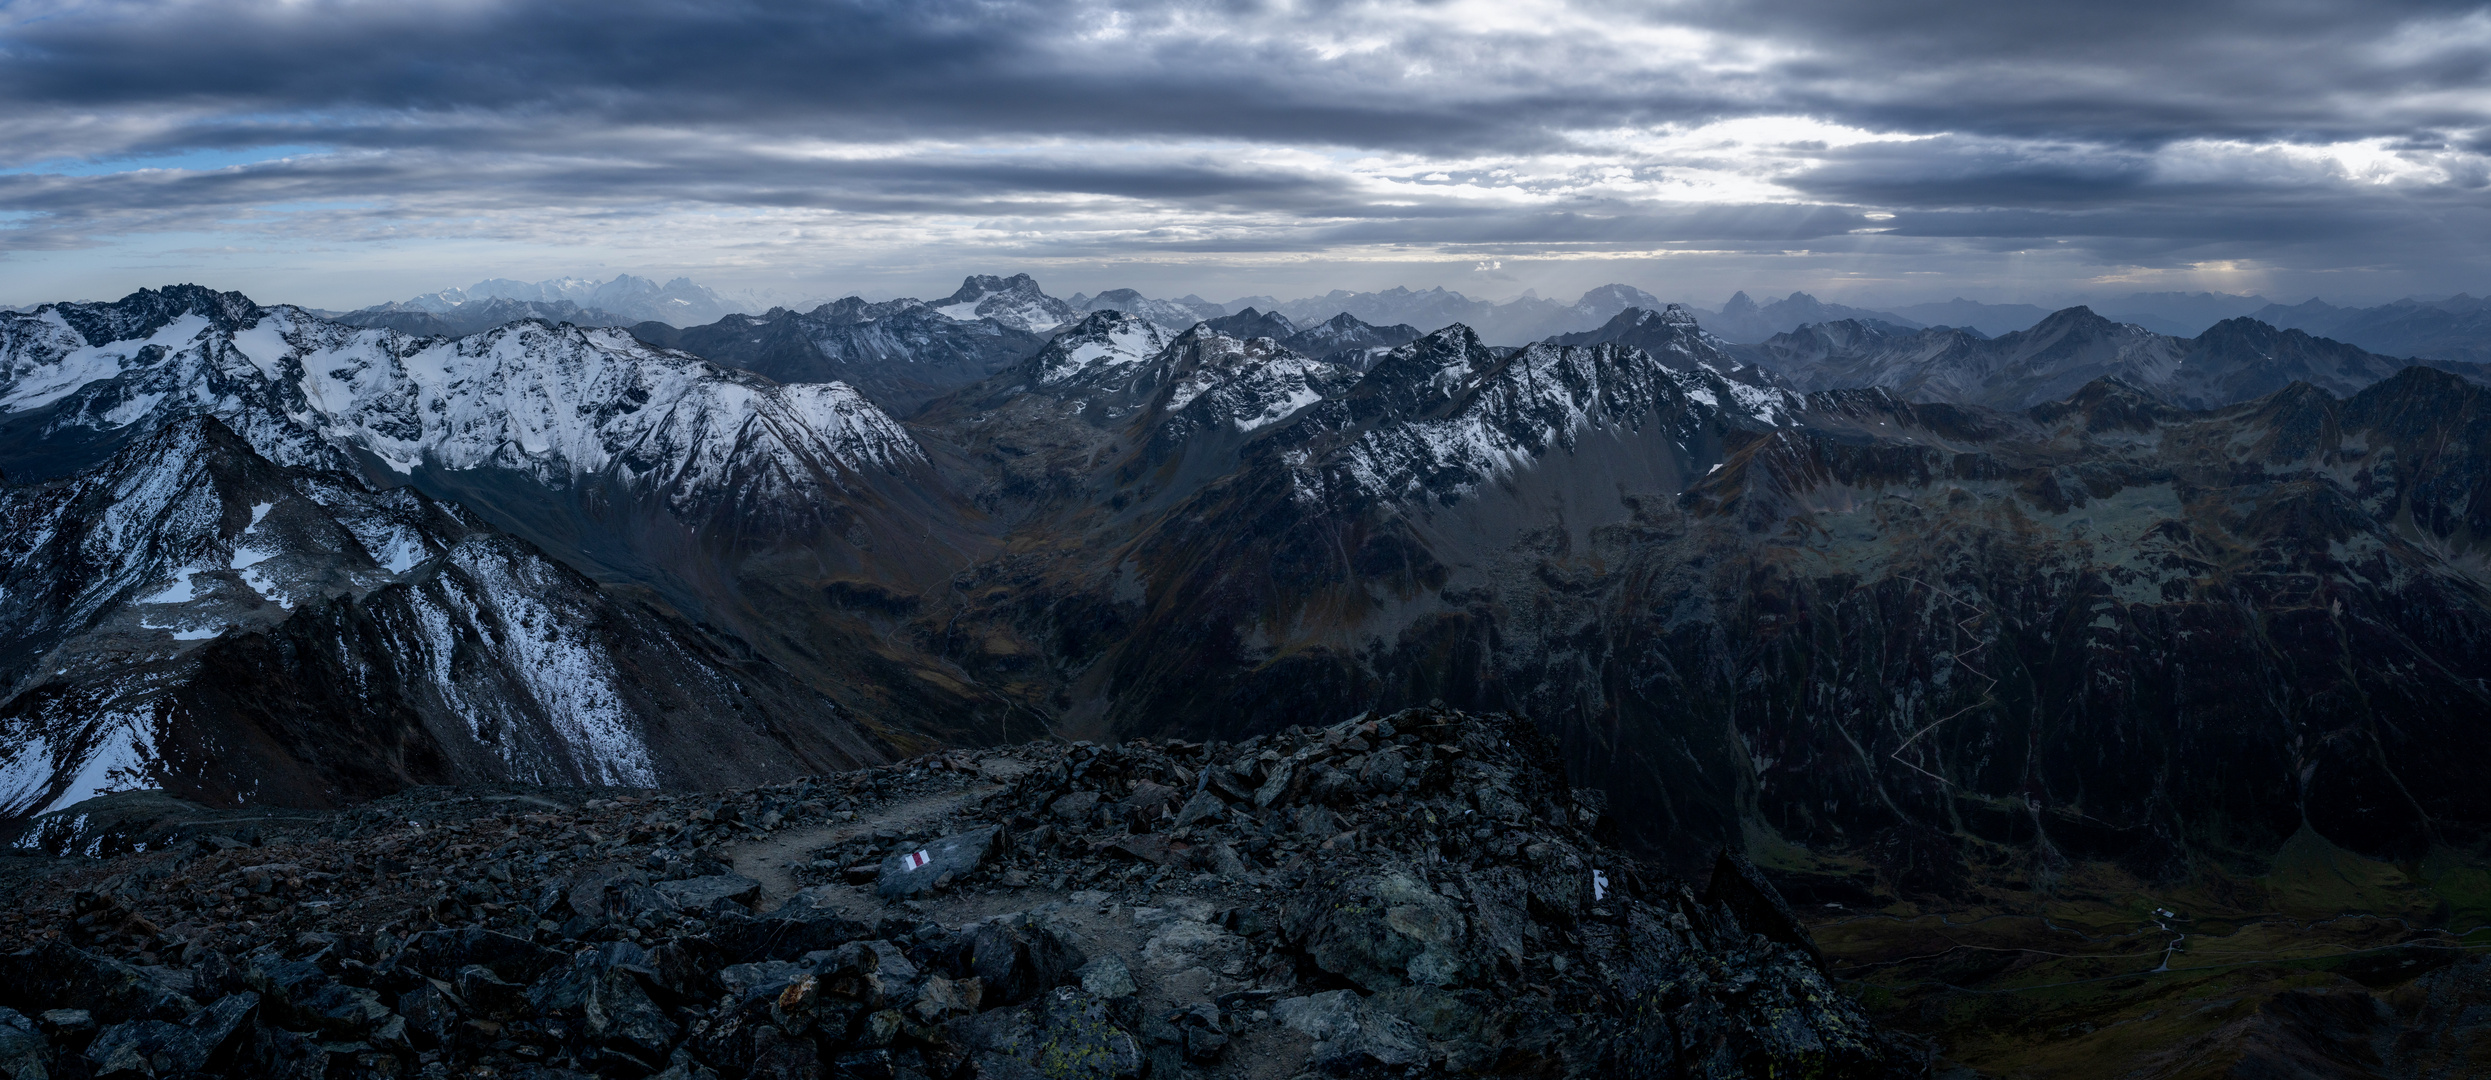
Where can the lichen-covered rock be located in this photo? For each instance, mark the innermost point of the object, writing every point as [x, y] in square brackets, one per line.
[1379, 930]
[1067, 1034]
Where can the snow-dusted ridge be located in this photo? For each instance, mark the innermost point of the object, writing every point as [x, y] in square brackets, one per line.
[1440, 417]
[373, 626]
[557, 402]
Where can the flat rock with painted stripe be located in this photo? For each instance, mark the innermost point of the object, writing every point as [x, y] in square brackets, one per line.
[913, 872]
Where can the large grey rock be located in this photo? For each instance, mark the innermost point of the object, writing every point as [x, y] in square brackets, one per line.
[441, 953]
[1348, 1032]
[744, 982]
[1183, 943]
[1019, 955]
[165, 1048]
[904, 875]
[58, 976]
[23, 1049]
[1379, 931]
[602, 988]
[879, 973]
[1107, 977]
[1074, 807]
[696, 894]
[1756, 904]
[1204, 806]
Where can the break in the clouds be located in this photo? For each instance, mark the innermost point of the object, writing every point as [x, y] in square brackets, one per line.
[347, 151]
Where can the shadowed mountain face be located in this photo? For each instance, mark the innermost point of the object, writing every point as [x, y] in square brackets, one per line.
[2233, 361]
[1854, 621]
[2455, 329]
[2092, 624]
[898, 353]
[193, 617]
[747, 505]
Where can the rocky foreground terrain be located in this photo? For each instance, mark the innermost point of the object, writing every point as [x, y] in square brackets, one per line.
[1417, 895]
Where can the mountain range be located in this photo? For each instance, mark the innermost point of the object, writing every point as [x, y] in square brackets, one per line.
[626, 299]
[2457, 328]
[2236, 360]
[1860, 587]
[902, 353]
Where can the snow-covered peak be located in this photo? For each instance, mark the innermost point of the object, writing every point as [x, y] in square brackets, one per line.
[1439, 417]
[1015, 301]
[1340, 331]
[1171, 315]
[1422, 375]
[561, 403]
[1248, 384]
[1104, 348]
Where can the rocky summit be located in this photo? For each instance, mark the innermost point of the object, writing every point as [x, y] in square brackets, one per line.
[1416, 895]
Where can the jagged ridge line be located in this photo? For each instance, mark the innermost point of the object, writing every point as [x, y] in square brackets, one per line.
[1961, 625]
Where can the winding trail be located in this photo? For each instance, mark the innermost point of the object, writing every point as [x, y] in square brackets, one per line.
[771, 859]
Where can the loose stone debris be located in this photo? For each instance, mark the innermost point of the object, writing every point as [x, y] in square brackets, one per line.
[1419, 895]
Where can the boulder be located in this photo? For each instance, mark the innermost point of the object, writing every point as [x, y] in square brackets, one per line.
[23, 1049]
[1204, 806]
[441, 953]
[804, 924]
[744, 982]
[697, 894]
[58, 976]
[1187, 943]
[1018, 956]
[165, 1048]
[874, 972]
[1108, 978]
[488, 995]
[1074, 807]
[1349, 1033]
[912, 872]
[1379, 931]
[601, 987]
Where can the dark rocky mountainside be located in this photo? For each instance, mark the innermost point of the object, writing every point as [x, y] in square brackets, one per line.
[1858, 622]
[1422, 895]
[1673, 336]
[191, 617]
[2233, 361]
[1341, 339]
[1872, 625]
[643, 468]
[2202, 620]
[898, 353]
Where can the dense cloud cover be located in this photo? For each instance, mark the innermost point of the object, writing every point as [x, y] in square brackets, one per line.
[1926, 147]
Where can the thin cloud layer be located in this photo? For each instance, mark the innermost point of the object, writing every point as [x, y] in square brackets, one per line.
[1899, 145]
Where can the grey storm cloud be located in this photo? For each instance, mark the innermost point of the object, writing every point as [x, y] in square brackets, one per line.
[1907, 128]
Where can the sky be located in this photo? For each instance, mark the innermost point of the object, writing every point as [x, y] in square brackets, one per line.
[345, 152]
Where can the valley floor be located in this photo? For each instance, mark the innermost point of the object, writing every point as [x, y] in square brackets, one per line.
[2330, 965]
